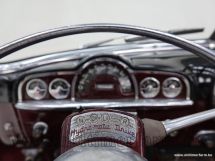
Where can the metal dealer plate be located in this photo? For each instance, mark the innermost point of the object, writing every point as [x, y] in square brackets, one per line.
[103, 125]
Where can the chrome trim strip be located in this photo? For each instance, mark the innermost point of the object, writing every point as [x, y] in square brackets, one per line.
[142, 104]
[121, 50]
[186, 121]
[188, 90]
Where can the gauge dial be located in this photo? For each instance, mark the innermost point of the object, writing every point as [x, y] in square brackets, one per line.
[36, 89]
[59, 88]
[171, 87]
[149, 87]
[104, 77]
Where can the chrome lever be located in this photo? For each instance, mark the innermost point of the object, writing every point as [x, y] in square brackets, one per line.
[186, 121]
[155, 131]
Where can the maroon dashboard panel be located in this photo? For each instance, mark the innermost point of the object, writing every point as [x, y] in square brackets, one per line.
[105, 80]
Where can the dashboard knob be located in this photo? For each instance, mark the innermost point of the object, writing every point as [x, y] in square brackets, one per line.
[40, 129]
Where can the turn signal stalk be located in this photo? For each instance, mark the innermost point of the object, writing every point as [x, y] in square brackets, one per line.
[155, 131]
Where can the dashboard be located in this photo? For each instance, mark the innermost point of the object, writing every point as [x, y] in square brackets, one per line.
[151, 83]
[104, 79]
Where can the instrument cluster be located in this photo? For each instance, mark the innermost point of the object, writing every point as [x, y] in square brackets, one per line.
[150, 87]
[162, 85]
[38, 89]
[105, 79]
[46, 86]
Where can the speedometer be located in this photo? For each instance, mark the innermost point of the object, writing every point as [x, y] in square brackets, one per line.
[59, 88]
[104, 79]
[102, 69]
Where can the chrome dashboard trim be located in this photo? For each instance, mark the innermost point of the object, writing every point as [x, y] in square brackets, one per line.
[187, 84]
[121, 50]
[142, 104]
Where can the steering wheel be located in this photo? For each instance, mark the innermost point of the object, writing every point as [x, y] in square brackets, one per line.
[201, 51]
[116, 28]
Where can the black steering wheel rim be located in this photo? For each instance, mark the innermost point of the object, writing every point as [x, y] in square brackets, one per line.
[116, 28]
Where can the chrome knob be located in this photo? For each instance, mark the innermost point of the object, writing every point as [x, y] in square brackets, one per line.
[40, 129]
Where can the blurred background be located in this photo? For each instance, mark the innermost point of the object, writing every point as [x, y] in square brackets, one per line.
[23, 17]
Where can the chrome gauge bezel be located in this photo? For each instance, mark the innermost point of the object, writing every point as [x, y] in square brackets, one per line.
[179, 89]
[28, 91]
[156, 91]
[54, 94]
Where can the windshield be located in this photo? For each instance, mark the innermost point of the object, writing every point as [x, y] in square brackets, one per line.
[21, 18]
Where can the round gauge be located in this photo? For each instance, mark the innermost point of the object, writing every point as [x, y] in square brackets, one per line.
[171, 87]
[36, 89]
[149, 87]
[93, 73]
[59, 88]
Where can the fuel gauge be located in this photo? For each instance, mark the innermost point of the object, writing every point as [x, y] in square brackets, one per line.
[36, 89]
[172, 87]
[59, 88]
